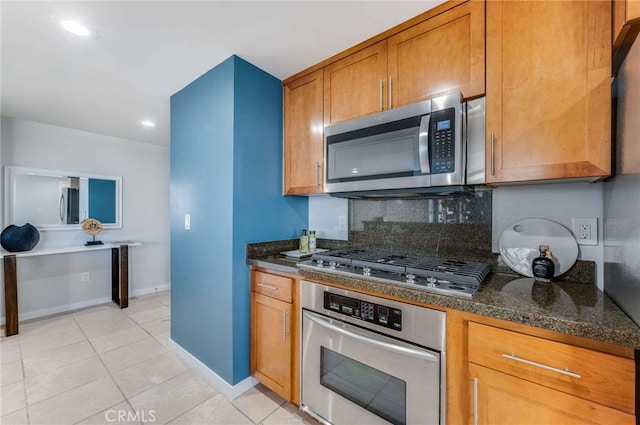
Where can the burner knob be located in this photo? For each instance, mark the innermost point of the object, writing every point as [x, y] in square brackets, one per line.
[320, 263]
[431, 281]
[411, 278]
[332, 264]
[366, 271]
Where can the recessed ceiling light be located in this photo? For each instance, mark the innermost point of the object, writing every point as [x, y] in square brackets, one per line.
[76, 28]
[148, 123]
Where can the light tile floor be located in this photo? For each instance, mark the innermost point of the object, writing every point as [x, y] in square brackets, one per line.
[104, 365]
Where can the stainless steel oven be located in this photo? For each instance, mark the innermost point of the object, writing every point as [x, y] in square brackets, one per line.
[369, 360]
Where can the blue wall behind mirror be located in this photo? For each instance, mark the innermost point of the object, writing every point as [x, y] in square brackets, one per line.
[102, 196]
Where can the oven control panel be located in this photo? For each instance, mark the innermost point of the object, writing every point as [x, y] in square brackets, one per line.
[379, 314]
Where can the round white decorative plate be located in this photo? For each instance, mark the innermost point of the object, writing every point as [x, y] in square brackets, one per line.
[519, 244]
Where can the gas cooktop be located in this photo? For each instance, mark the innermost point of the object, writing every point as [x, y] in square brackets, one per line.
[450, 277]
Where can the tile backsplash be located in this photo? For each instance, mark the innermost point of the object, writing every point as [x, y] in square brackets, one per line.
[457, 226]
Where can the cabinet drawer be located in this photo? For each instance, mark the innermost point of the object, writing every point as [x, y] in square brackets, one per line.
[602, 378]
[272, 285]
[501, 399]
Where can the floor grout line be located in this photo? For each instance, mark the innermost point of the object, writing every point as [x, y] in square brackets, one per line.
[86, 312]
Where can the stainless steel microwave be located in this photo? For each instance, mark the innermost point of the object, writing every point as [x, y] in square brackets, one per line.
[430, 146]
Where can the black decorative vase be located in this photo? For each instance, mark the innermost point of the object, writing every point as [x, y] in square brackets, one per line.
[19, 238]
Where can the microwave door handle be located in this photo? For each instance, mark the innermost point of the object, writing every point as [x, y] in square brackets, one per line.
[423, 145]
[321, 321]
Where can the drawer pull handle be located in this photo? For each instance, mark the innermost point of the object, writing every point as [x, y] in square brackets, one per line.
[284, 325]
[493, 155]
[542, 366]
[475, 401]
[264, 285]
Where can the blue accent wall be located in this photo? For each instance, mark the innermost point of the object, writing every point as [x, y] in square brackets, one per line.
[226, 171]
[102, 200]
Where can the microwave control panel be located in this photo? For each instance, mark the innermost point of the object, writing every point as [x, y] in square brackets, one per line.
[379, 314]
[443, 141]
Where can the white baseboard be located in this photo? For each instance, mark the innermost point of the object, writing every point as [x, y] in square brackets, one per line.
[231, 391]
[22, 316]
[151, 290]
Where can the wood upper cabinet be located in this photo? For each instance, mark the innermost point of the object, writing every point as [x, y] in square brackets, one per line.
[624, 12]
[355, 86]
[303, 135]
[626, 26]
[274, 327]
[443, 53]
[548, 90]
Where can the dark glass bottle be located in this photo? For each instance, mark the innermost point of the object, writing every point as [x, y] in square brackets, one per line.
[542, 266]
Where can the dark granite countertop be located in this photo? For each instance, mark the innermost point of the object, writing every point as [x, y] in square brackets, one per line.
[577, 309]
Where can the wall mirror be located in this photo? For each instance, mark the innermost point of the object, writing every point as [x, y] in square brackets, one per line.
[60, 200]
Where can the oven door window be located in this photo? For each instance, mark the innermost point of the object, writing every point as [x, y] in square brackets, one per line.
[374, 390]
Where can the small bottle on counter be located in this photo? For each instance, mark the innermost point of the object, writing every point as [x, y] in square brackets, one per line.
[312, 240]
[542, 267]
[304, 242]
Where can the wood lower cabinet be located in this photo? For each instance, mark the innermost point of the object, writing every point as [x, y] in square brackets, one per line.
[519, 378]
[548, 90]
[501, 399]
[274, 329]
[441, 54]
[303, 135]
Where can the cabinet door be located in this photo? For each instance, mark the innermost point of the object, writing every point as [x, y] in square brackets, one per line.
[443, 53]
[624, 11]
[500, 399]
[548, 90]
[303, 135]
[356, 85]
[271, 343]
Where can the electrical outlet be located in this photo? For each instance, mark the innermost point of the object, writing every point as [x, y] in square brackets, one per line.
[585, 230]
[84, 277]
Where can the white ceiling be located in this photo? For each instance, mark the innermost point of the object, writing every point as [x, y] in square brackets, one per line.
[148, 50]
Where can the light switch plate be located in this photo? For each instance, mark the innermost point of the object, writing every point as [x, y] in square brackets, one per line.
[187, 222]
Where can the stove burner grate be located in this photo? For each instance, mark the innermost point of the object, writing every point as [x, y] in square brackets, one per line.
[437, 274]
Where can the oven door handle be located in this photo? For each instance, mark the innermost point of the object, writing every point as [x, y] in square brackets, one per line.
[322, 321]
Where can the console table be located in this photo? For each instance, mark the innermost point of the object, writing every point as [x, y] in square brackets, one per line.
[119, 275]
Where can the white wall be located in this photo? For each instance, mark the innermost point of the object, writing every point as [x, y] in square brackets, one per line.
[329, 217]
[560, 202]
[52, 284]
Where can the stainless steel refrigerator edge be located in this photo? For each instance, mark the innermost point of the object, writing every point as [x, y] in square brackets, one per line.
[622, 194]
